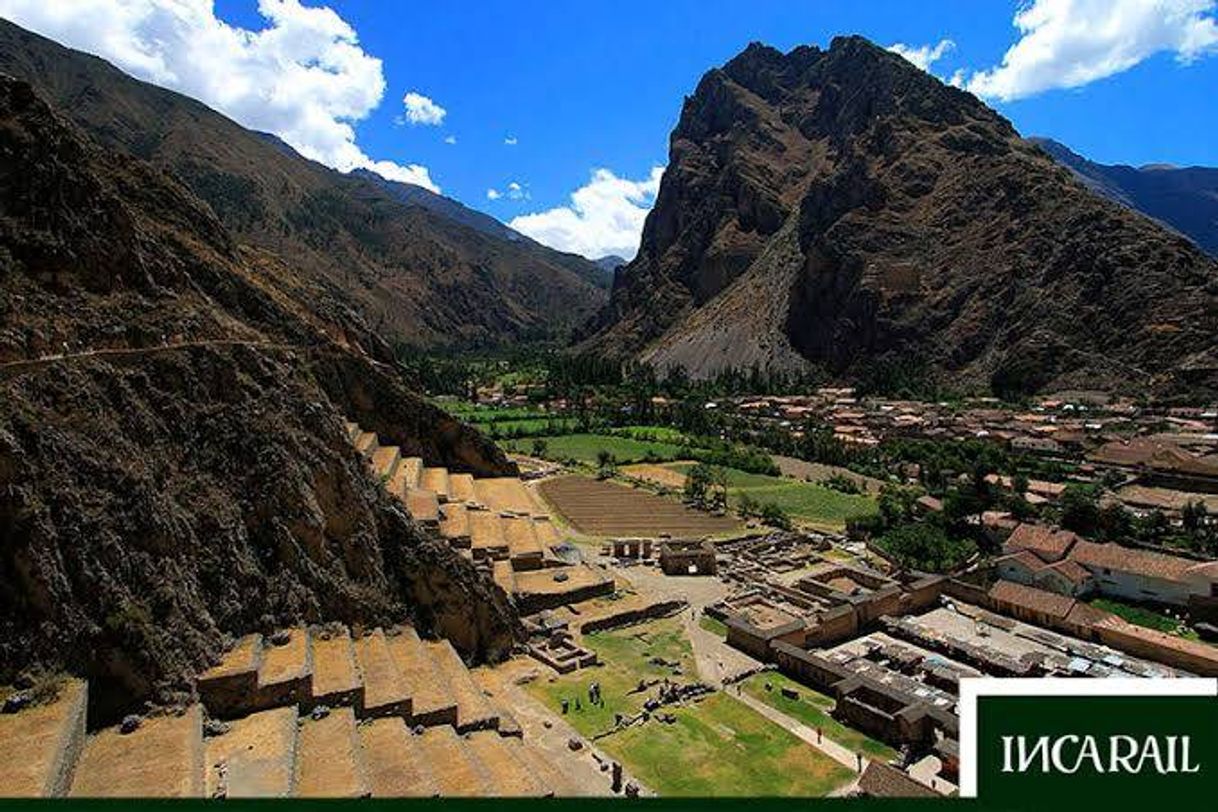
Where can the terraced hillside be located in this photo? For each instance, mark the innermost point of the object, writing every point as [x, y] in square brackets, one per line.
[494, 522]
[305, 712]
[174, 465]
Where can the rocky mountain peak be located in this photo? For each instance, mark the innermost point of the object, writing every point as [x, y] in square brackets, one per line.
[842, 207]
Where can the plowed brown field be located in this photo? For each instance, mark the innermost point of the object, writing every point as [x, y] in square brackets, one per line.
[609, 509]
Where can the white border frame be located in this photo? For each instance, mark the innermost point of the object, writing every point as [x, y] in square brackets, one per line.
[971, 688]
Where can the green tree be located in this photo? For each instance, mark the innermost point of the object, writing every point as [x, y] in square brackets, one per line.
[896, 504]
[1193, 516]
[925, 546]
[747, 506]
[1080, 509]
[698, 483]
[1019, 484]
[539, 447]
[1114, 523]
[606, 465]
[775, 516]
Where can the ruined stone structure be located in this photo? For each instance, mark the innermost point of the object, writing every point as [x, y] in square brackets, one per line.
[688, 558]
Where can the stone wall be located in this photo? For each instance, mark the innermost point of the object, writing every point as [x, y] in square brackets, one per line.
[633, 616]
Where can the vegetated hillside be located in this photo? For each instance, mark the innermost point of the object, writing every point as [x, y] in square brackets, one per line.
[842, 208]
[1184, 198]
[174, 465]
[413, 272]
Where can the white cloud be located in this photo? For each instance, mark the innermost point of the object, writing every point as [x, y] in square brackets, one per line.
[514, 191]
[303, 77]
[422, 110]
[511, 141]
[1070, 43]
[450, 139]
[924, 55]
[605, 216]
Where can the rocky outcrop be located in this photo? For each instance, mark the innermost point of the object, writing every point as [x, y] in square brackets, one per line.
[842, 209]
[174, 464]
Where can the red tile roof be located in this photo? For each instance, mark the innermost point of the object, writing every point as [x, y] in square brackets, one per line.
[1049, 543]
[1084, 614]
[1028, 597]
[1157, 454]
[1026, 558]
[1132, 560]
[1074, 572]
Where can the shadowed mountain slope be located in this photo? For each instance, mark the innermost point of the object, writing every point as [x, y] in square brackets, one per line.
[175, 466]
[1184, 198]
[422, 273]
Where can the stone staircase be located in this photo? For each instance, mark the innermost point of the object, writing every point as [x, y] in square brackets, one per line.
[323, 715]
[495, 522]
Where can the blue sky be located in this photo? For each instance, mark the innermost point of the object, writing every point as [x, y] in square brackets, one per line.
[587, 86]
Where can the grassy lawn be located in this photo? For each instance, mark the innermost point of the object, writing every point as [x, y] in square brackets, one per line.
[721, 747]
[712, 625]
[812, 503]
[585, 447]
[716, 747]
[1148, 618]
[802, 501]
[812, 708]
[626, 654]
[737, 478]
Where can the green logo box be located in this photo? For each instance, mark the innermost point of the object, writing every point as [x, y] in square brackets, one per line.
[1102, 743]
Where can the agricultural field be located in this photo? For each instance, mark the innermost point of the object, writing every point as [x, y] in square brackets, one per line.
[710, 735]
[818, 471]
[812, 708]
[662, 434]
[513, 421]
[586, 447]
[528, 427]
[598, 508]
[802, 501]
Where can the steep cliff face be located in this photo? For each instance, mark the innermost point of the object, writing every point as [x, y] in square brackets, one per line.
[843, 208]
[173, 461]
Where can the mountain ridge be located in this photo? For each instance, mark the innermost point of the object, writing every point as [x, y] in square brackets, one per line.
[1183, 198]
[415, 275]
[840, 209]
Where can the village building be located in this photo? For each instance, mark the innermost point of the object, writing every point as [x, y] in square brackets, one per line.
[1060, 561]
